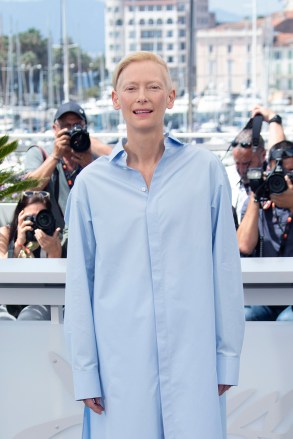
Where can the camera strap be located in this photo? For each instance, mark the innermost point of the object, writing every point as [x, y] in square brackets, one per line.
[285, 232]
[256, 129]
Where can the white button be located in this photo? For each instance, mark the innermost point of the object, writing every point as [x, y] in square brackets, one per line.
[144, 189]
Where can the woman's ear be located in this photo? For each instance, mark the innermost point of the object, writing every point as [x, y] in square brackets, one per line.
[115, 100]
[171, 99]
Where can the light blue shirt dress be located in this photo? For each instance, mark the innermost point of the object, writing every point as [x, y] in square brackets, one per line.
[154, 298]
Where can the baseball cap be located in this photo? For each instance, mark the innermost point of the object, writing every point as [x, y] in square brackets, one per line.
[70, 107]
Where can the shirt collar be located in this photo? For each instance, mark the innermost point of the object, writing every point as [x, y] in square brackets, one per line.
[119, 155]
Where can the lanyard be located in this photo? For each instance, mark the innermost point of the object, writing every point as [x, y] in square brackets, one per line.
[285, 231]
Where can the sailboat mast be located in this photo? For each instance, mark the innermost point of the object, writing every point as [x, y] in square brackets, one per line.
[65, 52]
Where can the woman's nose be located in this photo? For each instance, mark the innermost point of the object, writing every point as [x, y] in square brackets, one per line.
[141, 96]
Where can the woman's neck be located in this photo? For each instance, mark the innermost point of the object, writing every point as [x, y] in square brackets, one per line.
[144, 154]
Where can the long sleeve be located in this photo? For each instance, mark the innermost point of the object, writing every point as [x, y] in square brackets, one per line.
[229, 307]
[79, 321]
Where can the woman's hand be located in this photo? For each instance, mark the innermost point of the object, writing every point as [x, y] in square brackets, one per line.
[23, 226]
[50, 244]
[94, 404]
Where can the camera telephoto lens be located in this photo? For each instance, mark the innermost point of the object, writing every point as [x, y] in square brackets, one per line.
[45, 221]
[277, 184]
[79, 139]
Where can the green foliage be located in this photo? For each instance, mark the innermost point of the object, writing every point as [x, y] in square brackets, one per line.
[34, 52]
[9, 182]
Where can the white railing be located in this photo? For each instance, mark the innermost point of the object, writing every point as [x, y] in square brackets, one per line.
[36, 393]
[266, 281]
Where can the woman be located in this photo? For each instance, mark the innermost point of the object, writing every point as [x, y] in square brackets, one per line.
[24, 238]
[13, 237]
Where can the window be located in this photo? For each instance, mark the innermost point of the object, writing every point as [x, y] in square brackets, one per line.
[182, 32]
[118, 22]
[131, 22]
[229, 48]
[159, 21]
[211, 49]
[147, 46]
[141, 21]
[169, 21]
[151, 34]
[170, 59]
[170, 46]
[182, 46]
[182, 20]
[151, 21]
[169, 33]
[169, 7]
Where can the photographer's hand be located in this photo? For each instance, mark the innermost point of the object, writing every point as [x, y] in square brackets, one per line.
[81, 158]
[247, 232]
[23, 226]
[266, 113]
[62, 144]
[50, 244]
[276, 132]
[285, 199]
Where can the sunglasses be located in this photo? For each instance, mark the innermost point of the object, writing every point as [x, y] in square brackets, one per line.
[40, 194]
[281, 154]
[243, 144]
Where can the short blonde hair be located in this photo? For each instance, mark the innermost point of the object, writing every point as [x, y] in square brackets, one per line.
[138, 57]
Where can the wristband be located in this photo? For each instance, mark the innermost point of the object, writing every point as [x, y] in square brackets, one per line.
[276, 119]
[19, 243]
[54, 157]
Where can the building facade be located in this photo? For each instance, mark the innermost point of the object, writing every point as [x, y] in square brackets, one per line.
[234, 57]
[161, 26]
[230, 60]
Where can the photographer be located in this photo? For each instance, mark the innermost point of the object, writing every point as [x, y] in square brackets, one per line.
[58, 165]
[246, 157]
[31, 234]
[266, 228]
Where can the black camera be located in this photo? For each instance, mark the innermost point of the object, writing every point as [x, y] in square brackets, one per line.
[264, 184]
[44, 220]
[79, 138]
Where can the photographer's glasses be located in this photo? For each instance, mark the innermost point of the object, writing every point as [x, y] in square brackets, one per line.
[242, 144]
[40, 194]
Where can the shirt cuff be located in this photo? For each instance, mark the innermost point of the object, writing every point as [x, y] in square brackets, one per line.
[228, 370]
[86, 384]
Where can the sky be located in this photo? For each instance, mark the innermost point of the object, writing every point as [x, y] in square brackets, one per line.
[85, 18]
[263, 6]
